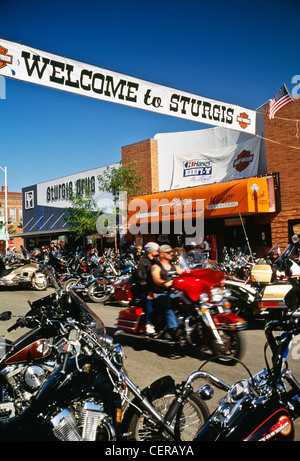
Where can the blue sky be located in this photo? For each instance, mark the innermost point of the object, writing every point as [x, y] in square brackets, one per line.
[239, 52]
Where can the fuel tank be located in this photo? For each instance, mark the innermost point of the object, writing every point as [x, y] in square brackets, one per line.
[28, 348]
[266, 422]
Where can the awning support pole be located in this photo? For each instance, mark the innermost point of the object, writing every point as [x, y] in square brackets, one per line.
[246, 236]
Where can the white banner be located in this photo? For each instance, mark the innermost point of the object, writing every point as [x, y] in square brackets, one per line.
[224, 164]
[39, 67]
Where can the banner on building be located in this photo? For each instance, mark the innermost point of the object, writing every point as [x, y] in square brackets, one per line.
[31, 65]
[224, 164]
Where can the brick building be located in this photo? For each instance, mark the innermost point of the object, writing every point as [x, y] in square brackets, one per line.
[145, 155]
[283, 155]
[15, 216]
[278, 160]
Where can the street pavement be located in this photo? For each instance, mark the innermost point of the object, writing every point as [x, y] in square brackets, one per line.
[147, 360]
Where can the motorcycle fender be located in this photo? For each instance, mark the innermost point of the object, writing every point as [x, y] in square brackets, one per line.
[229, 320]
[159, 387]
[129, 319]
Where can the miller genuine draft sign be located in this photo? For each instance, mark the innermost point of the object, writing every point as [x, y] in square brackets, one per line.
[28, 64]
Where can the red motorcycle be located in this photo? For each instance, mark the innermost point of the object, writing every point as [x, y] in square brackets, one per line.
[204, 314]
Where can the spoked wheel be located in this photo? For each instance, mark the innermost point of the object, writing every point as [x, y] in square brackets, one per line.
[98, 291]
[68, 283]
[190, 417]
[233, 345]
[40, 283]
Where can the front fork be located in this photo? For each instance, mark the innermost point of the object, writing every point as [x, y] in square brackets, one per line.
[204, 312]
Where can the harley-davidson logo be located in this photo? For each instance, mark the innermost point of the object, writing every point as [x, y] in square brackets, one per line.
[4, 57]
[283, 425]
[243, 120]
[243, 160]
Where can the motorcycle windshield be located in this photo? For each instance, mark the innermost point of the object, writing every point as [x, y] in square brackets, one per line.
[63, 305]
[88, 316]
[192, 259]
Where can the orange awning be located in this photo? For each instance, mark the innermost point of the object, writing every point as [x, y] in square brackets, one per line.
[245, 196]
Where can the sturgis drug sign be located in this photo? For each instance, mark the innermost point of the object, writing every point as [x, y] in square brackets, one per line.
[39, 67]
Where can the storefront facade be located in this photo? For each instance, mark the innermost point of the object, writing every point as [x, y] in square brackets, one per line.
[226, 169]
[227, 210]
[44, 206]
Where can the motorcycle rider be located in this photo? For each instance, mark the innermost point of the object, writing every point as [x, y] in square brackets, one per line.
[144, 282]
[165, 301]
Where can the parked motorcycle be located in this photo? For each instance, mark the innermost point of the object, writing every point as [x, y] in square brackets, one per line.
[264, 294]
[85, 396]
[25, 273]
[96, 280]
[102, 288]
[264, 406]
[26, 363]
[286, 269]
[237, 264]
[204, 315]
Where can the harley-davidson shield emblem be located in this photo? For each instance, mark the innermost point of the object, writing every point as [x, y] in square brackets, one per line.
[243, 160]
[243, 120]
[4, 57]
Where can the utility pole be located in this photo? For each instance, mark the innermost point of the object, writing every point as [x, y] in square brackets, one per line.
[6, 210]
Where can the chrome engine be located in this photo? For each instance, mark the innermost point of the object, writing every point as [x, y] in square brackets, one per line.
[86, 421]
[23, 382]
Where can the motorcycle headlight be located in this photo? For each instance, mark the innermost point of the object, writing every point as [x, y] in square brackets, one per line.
[204, 298]
[118, 355]
[216, 295]
[226, 293]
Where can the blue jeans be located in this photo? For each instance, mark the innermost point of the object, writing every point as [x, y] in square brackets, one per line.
[165, 304]
[148, 307]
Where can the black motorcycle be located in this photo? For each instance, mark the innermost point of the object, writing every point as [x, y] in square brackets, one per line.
[84, 396]
[264, 406]
[26, 363]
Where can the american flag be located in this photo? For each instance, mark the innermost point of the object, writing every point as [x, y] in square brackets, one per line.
[281, 98]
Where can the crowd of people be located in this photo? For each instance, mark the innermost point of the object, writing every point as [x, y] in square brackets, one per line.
[153, 277]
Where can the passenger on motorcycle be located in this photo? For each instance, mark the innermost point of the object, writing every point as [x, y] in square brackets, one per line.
[144, 282]
[166, 302]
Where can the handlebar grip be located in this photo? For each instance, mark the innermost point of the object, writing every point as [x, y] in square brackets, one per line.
[13, 327]
[66, 356]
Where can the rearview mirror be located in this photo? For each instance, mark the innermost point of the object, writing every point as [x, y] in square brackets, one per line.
[6, 315]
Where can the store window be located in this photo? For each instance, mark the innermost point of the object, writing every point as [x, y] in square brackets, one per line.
[12, 214]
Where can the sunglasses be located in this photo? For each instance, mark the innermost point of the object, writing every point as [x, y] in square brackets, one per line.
[169, 252]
